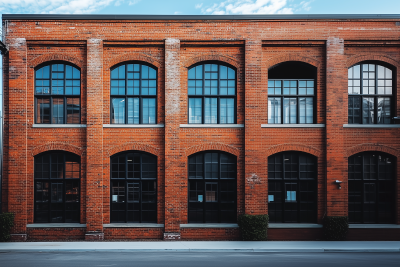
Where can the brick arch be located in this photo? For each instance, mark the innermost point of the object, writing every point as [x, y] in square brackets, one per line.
[134, 57]
[57, 146]
[133, 146]
[293, 57]
[212, 146]
[56, 56]
[371, 147]
[377, 57]
[294, 147]
[213, 57]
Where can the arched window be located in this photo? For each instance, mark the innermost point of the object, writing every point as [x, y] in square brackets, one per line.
[134, 187]
[212, 187]
[370, 94]
[57, 183]
[371, 188]
[291, 93]
[57, 94]
[292, 188]
[134, 94]
[212, 94]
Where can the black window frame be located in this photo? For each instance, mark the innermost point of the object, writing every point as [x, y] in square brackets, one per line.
[375, 96]
[283, 182]
[127, 181]
[51, 180]
[218, 96]
[357, 187]
[140, 96]
[232, 182]
[51, 96]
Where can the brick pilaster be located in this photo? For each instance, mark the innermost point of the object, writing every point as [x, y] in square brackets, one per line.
[94, 139]
[173, 155]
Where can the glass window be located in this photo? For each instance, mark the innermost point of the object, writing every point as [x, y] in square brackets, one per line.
[57, 188]
[57, 94]
[292, 188]
[212, 94]
[212, 188]
[133, 94]
[370, 94]
[133, 187]
[371, 188]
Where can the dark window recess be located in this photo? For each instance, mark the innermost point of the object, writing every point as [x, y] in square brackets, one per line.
[370, 88]
[133, 188]
[371, 188]
[292, 188]
[212, 94]
[57, 188]
[57, 94]
[212, 188]
[133, 94]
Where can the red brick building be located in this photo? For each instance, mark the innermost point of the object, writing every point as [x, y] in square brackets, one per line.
[168, 127]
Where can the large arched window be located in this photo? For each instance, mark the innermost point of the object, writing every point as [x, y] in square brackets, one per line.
[57, 183]
[212, 187]
[291, 93]
[57, 94]
[371, 188]
[134, 94]
[212, 94]
[292, 188]
[370, 94]
[133, 187]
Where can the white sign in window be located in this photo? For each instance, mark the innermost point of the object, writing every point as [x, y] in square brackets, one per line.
[270, 198]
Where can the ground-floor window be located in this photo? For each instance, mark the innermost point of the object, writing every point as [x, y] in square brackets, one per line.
[371, 188]
[212, 187]
[292, 188]
[57, 183]
[133, 187]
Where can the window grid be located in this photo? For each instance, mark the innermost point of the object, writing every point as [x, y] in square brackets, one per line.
[57, 94]
[370, 89]
[212, 94]
[291, 101]
[133, 94]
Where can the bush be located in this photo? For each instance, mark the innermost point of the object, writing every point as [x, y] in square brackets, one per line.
[335, 227]
[6, 223]
[253, 227]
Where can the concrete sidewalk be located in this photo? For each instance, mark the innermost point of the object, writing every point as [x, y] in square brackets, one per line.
[204, 246]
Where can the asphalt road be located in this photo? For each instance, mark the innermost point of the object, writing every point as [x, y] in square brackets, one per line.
[180, 259]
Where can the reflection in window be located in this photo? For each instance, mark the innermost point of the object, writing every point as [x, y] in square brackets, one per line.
[212, 94]
[133, 94]
[57, 183]
[57, 94]
[370, 94]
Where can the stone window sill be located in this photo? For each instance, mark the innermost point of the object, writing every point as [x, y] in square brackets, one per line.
[133, 125]
[59, 125]
[56, 225]
[212, 125]
[378, 226]
[210, 225]
[292, 125]
[133, 225]
[294, 225]
[376, 126]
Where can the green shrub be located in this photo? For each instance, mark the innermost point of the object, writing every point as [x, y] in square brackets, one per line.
[253, 227]
[6, 223]
[335, 227]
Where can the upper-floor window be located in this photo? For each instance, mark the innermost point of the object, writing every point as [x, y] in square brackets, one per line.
[370, 94]
[291, 93]
[57, 94]
[212, 94]
[133, 94]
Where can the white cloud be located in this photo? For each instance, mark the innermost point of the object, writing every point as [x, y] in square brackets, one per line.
[56, 6]
[198, 6]
[134, 2]
[249, 7]
[177, 12]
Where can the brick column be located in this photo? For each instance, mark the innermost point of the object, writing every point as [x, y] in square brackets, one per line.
[336, 105]
[18, 190]
[173, 157]
[256, 183]
[94, 139]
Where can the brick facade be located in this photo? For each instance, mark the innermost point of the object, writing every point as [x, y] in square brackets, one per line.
[251, 47]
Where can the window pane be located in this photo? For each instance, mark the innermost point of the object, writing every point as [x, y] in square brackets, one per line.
[73, 110]
[118, 110]
[274, 110]
[195, 109]
[58, 110]
[43, 111]
[368, 110]
[149, 111]
[384, 116]
[210, 110]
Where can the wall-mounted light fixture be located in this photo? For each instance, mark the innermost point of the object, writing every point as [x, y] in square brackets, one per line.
[338, 183]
